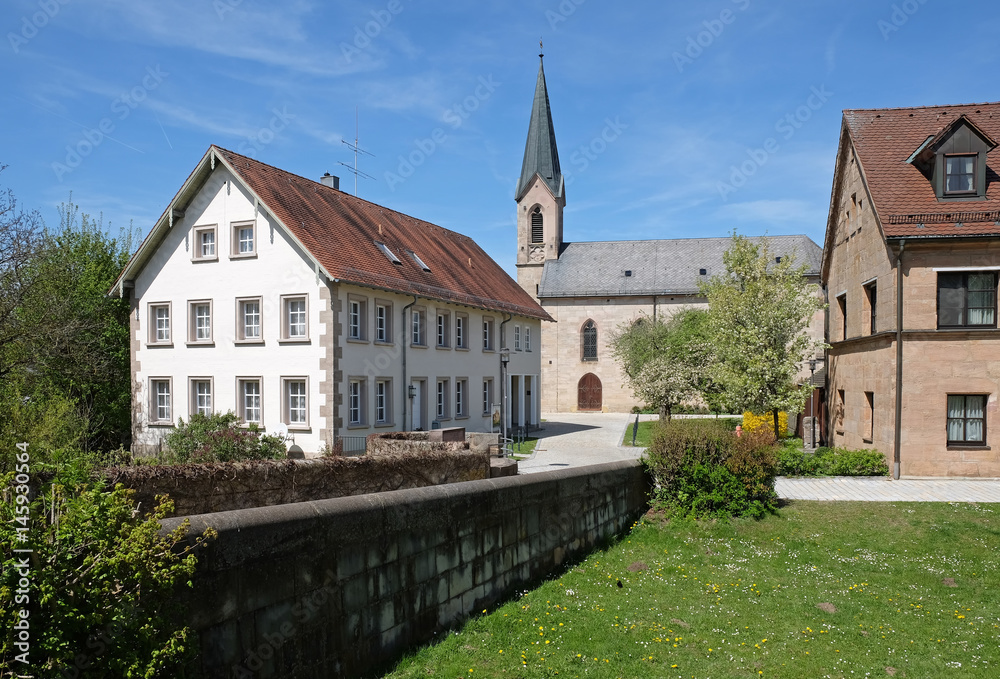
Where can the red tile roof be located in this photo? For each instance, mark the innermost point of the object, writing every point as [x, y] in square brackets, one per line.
[340, 231]
[903, 197]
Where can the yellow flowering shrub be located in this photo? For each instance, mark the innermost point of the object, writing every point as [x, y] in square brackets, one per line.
[752, 422]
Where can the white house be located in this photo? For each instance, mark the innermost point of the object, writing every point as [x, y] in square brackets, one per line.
[292, 303]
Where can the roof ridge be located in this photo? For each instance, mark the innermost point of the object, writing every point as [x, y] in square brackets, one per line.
[344, 193]
[912, 108]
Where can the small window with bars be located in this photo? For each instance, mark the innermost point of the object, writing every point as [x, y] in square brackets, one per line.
[537, 226]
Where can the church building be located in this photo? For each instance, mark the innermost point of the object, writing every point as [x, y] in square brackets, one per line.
[592, 289]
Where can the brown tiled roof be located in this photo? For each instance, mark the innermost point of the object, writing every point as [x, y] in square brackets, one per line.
[902, 196]
[340, 231]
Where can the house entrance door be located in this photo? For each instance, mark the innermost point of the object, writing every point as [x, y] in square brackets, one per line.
[588, 393]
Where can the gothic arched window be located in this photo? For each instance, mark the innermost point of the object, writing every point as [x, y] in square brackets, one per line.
[537, 232]
[589, 341]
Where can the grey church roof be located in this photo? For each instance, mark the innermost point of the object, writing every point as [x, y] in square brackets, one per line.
[540, 154]
[658, 267]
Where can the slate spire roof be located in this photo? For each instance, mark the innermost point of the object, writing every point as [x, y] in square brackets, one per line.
[541, 156]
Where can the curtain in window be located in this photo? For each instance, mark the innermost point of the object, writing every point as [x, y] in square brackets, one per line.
[974, 406]
[960, 173]
[982, 292]
[956, 418]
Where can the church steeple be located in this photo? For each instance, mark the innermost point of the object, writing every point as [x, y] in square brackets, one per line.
[540, 194]
[540, 153]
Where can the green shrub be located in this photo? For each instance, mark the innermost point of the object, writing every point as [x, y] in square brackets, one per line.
[701, 469]
[219, 438]
[831, 462]
[103, 592]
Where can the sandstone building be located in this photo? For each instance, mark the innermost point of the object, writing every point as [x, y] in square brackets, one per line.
[591, 289]
[910, 267]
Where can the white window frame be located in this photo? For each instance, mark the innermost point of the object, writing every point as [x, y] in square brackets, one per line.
[418, 327]
[153, 335]
[287, 402]
[527, 338]
[157, 416]
[383, 333]
[441, 402]
[356, 401]
[235, 251]
[487, 395]
[241, 326]
[517, 338]
[286, 324]
[489, 338]
[241, 399]
[194, 407]
[461, 331]
[197, 248]
[461, 397]
[357, 318]
[443, 328]
[383, 385]
[193, 306]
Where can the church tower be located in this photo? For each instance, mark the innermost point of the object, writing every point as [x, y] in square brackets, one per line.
[540, 194]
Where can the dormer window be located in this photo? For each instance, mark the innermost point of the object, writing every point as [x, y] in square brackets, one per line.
[960, 174]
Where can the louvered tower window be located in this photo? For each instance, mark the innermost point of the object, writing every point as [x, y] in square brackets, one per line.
[589, 341]
[536, 226]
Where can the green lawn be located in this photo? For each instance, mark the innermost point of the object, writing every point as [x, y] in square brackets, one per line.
[644, 436]
[526, 448]
[822, 590]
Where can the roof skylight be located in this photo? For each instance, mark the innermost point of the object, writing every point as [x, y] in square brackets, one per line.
[420, 262]
[388, 253]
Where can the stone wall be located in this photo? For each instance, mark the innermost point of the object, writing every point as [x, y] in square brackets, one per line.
[208, 488]
[341, 588]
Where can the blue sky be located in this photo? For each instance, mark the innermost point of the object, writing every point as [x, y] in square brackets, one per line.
[674, 119]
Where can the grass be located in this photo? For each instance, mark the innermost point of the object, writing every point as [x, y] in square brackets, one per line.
[526, 449]
[645, 434]
[821, 590]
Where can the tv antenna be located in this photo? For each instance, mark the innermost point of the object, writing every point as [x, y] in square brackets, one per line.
[357, 149]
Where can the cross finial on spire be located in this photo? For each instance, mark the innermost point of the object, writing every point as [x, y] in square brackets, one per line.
[540, 49]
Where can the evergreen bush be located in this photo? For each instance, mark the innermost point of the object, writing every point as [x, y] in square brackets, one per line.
[219, 438]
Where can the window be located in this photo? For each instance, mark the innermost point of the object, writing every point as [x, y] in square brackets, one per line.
[527, 339]
[461, 392]
[160, 410]
[417, 327]
[869, 424]
[244, 239]
[442, 329]
[419, 262]
[872, 290]
[388, 253]
[461, 323]
[357, 315]
[589, 341]
[293, 323]
[967, 299]
[248, 399]
[159, 323]
[383, 322]
[201, 396]
[383, 392]
[248, 322]
[200, 322]
[537, 230]
[842, 303]
[442, 399]
[296, 402]
[356, 403]
[838, 415]
[204, 243]
[487, 396]
[517, 338]
[967, 419]
[960, 174]
[487, 334]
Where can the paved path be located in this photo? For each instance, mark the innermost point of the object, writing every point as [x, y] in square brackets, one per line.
[886, 490]
[578, 440]
[581, 439]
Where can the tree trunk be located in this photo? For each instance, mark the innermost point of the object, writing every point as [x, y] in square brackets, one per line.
[777, 434]
[665, 412]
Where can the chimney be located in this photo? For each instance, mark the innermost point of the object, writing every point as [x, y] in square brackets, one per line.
[330, 180]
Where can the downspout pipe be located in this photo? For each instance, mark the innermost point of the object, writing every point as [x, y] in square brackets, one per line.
[402, 339]
[897, 439]
[503, 376]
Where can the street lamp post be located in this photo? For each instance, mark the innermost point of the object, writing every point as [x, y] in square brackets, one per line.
[504, 360]
[812, 400]
[411, 391]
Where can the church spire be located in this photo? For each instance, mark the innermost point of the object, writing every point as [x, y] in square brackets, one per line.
[540, 153]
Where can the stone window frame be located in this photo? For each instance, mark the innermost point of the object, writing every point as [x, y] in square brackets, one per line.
[152, 338]
[461, 331]
[487, 396]
[242, 382]
[441, 411]
[461, 398]
[965, 273]
[236, 241]
[965, 443]
[358, 333]
[442, 329]
[193, 339]
[387, 322]
[388, 419]
[193, 407]
[587, 344]
[489, 333]
[361, 421]
[155, 419]
[286, 300]
[241, 326]
[197, 254]
[418, 327]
